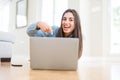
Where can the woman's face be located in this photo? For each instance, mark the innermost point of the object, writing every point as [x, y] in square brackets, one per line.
[68, 23]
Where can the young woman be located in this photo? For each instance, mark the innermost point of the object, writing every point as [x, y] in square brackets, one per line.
[70, 28]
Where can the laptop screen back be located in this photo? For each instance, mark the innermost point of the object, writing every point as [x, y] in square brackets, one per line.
[54, 53]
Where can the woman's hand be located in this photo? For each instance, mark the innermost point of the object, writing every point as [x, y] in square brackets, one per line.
[44, 27]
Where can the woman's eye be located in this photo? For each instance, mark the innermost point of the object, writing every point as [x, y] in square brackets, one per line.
[71, 19]
[64, 19]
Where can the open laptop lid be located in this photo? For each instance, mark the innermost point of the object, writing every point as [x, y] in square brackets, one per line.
[54, 53]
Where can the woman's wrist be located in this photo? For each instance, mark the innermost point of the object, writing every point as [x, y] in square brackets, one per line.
[37, 27]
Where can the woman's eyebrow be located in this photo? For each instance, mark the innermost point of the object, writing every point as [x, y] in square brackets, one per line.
[71, 17]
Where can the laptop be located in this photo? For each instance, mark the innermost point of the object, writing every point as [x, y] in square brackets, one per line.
[54, 53]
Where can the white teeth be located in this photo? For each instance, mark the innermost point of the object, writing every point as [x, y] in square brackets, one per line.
[67, 26]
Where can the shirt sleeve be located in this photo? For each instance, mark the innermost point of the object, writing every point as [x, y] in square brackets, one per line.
[32, 31]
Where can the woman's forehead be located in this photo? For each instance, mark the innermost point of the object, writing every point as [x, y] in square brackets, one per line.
[68, 14]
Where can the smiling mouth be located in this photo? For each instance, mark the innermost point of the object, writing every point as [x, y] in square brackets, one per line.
[66, 28]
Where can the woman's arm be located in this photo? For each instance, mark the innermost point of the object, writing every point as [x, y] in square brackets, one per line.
[32, 29]
[41, 29]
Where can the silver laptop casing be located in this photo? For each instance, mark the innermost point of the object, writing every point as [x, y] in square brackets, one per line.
[54, 53]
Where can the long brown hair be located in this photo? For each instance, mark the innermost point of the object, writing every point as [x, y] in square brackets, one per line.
[77, 33]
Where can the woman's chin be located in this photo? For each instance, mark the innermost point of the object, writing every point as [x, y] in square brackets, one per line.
[66, 31]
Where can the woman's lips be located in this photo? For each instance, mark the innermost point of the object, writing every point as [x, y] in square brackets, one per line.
[66, 28]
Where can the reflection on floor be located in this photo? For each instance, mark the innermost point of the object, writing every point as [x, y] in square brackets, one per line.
[89, 68]
[96, 68]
